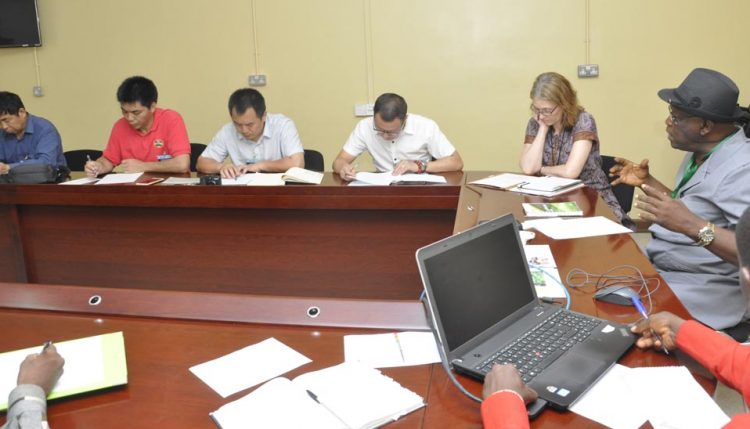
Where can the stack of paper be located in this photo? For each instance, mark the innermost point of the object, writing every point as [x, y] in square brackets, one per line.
[117, 178]
[342, 396]
[562, 229]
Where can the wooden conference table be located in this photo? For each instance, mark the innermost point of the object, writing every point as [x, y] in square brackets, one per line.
[304, 240]
[167, 331]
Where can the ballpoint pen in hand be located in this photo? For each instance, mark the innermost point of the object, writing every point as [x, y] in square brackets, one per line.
[639, 305]
[46, 345]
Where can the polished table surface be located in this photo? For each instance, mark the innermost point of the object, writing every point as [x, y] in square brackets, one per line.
[295, 240]
[167, 331]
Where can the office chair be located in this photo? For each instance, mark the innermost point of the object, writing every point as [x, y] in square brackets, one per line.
[196, 149]
[314, 160]
[76, 159]
[623, 193]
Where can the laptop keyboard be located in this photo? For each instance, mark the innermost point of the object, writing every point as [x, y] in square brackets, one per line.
[543, 344]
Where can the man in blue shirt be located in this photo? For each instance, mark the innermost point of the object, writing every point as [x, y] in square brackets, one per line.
[25, 138]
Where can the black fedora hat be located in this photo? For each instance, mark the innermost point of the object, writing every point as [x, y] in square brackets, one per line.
[707, 94]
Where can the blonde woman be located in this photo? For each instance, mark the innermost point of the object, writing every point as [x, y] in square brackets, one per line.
[561, 139]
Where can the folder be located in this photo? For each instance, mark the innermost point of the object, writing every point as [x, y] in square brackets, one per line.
[91, 363]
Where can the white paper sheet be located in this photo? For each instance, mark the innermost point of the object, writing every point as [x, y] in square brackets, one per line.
[392, 349]
[386, 178]
[675, 400]
[562, 229]
[249, 366]
[115, 178]
[81, 181]
[181, 181]
[242, 180]
[669, 397]
[612, 402]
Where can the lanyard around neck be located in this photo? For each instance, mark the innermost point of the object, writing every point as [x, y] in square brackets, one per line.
[693, 166]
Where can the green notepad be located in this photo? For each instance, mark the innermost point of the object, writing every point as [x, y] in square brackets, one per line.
[91, 363]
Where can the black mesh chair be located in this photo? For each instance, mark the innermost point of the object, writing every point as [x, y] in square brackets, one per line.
[314, 160]
[623, 193]
[196, 149]
[76, 159]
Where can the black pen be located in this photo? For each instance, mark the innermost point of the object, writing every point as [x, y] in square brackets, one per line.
[46, 345]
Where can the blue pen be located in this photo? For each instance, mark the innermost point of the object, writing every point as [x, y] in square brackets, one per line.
[641, 309]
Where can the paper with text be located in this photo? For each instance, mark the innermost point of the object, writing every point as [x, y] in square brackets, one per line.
[544, 272]
[116, 178]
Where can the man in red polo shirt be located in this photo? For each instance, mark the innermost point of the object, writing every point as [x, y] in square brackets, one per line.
[146, 138]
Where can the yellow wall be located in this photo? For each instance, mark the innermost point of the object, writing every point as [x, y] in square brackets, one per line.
[467, 64]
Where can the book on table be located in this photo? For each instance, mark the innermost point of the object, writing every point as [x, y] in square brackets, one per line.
[91, 363]
[546, 186]
[347, 395]
[564, 208]
[301, 175]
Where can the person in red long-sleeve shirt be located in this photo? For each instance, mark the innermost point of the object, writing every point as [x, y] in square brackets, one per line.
[505, 395]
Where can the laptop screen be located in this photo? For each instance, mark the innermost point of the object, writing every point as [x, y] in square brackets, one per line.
[479, 281]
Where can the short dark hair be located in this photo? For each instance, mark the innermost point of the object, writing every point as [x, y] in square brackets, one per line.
[137, 88]
[245, 98]
[10, 103]
[742, 233]
[390, 106]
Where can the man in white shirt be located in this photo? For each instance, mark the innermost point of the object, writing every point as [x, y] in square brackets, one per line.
[255, 140]
[398, 142]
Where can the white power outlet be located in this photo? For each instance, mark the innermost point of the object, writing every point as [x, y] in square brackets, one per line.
[363, 109]
[38, 91]
[588, 70]
[257, 80]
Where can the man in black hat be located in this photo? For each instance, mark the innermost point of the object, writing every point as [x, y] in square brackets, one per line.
[693, 242]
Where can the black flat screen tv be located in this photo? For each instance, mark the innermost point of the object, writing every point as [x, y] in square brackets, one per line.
[19, 24]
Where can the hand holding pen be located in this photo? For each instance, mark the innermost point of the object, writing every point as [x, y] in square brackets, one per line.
[92, 167]
[42, 369]
[659, 329]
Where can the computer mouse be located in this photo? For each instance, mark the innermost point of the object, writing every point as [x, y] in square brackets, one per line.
[617, 294]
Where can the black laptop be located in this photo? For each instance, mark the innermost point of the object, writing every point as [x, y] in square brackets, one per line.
[484, 310]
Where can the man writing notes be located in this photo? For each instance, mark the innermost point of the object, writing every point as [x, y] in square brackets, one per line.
[255, 140]
[25, 138]
[398, 142]
[146, 138]
[693, 240]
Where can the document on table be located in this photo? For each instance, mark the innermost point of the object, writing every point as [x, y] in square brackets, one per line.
[387, 178]
[391, 350]
[115, 178]
[345, 396]
[91, 363]
[249, 366]
[81, 181]
[544, 271]
[181, 181]
[562, 229]
[242, 180]
[669, 397]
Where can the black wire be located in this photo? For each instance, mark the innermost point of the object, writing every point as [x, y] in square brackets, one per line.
[606, 279]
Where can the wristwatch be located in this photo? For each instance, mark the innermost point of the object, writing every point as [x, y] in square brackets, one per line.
[707, 234]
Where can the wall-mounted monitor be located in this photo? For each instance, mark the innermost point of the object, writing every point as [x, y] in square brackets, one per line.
[19, 24]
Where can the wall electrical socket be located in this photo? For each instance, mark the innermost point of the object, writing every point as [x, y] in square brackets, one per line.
[363, 109]
[257, 80]
[38, 91]
[588, 70]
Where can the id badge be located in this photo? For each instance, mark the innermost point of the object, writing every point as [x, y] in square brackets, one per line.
[164, 157]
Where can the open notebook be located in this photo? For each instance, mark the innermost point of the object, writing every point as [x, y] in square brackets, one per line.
[339, 397]
[91, 363]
